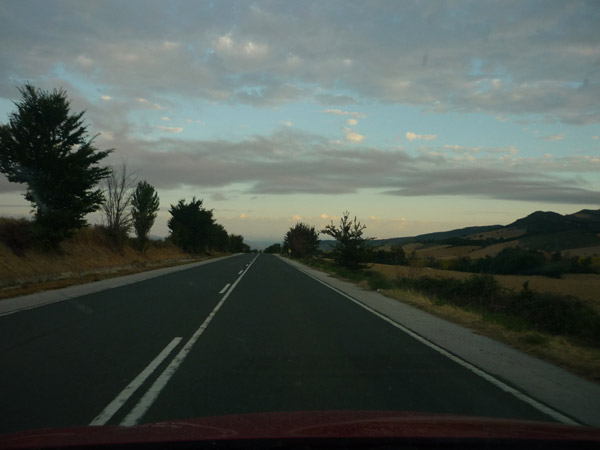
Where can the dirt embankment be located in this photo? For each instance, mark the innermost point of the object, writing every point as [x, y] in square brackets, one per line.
[87, 256]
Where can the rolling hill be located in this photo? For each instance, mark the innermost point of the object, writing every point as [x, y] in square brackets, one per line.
[541, 230]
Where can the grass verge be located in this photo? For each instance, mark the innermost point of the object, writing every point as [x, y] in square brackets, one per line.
[87, 256]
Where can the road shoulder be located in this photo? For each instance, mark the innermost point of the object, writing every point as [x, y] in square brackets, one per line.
[548, 384]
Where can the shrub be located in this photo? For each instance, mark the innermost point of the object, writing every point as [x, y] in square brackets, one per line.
[16, 234]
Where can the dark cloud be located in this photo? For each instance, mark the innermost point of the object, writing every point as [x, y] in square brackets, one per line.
[500, 57]
[291, 161]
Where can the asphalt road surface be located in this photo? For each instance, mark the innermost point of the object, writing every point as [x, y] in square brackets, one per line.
[240, 335]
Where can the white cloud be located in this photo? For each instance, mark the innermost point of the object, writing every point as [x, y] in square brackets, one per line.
[353, 136]
[339, 112]
[352, 122]
[413, 136]
[296, 217]
[463, 149]
[170, 129]
[553, 137]
[165, 118]
[147, 104]
[287, 123]
[106, 97]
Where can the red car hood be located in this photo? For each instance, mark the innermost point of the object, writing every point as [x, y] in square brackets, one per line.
[304, 426]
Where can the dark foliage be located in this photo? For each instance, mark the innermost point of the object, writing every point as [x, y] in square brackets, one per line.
[237, 245]
[545, 312]
[16, 234]
[275, 248]
[191, 225]
[394, 256]
[144, 207]
[351, 250]
[47, 148]
[302, 240]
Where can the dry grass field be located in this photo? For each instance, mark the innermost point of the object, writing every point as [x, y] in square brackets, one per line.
[584, 286]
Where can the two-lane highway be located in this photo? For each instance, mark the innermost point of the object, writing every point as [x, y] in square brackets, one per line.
[243, 334]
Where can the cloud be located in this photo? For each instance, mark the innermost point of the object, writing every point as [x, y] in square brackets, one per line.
[287, 123]
[324, 216]
[595, 138]
[413, 136]
[253, 53]
[292, 161]
[339, 112]
[296, 217]
[169, 129]
[352, 122]
[165, 118]
[353, 136]
[106, 97]
[553, 138]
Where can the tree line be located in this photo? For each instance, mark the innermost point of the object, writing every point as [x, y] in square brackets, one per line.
[350, 250]
[47, 147]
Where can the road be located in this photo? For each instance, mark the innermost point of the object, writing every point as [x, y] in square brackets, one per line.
[243, 334]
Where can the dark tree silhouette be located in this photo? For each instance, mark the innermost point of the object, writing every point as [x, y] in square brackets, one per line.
[351, 250]
[46, 147]
[191, 225]
[144, 206]
[302, 240]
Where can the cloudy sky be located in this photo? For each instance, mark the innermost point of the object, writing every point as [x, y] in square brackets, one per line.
[415, 116]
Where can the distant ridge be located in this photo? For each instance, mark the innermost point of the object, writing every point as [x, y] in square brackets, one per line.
[541, 230]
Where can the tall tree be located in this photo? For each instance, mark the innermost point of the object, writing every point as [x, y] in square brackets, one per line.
[144, 207]
[352, 249]
[302, 240]
[237, 244]
[47, 147]
[118, 194]
[191, 225]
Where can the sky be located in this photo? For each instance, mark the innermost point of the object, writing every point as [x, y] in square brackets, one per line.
[414, 116]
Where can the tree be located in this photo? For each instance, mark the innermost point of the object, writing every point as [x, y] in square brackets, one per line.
[237, 245]
[275, 248]
[144, 206]
[118, 194]
[302, 239]
[398, 255]
[191, 225]
[46, 147]
[351, 250]
[220, 238]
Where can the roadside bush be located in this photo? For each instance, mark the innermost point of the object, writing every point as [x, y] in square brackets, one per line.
[16, 234]
[545, 312]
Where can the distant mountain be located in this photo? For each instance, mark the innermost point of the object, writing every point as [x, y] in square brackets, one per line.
[542, 230]
[554, 232]
[550, 222]
[438, 236]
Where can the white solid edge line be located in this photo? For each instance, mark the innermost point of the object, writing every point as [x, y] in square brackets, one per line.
[486, 376]
[120, 400]
[222, 291]
[150, 396]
